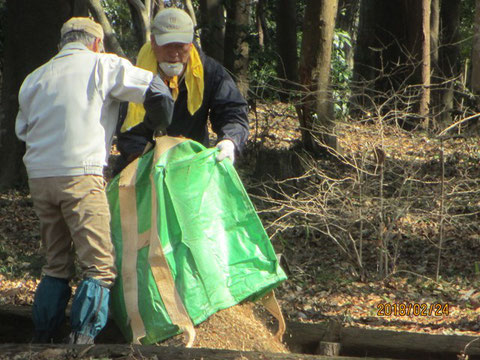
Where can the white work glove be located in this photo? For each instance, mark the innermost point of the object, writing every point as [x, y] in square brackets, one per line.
[227, 150]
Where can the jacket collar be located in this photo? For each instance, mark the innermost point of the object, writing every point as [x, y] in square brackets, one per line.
[70, 47]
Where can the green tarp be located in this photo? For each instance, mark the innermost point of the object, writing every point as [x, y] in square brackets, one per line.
[192, 211]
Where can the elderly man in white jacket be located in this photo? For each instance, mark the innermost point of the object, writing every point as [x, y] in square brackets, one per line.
[67, 117]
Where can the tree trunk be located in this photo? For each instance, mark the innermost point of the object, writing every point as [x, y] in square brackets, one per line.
[436, 79]
[346, 20]
[435, 32]
[364, 64]
[158, 5]
[80, 8]
[33, 32]
[324, 98]
[364, 57]
[425, 97]
[316, 114]
[236, 45]
[141, 18]
[449, 54]
[450, 51]
[111, 42]
[287, 44]
[387, 58]
[137, 21]
[261, 23]
[347, 14]
[212, 25]
[475, 78]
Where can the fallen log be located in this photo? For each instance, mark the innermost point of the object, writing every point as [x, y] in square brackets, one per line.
[305, 337]
[16, 327]
[64, 352]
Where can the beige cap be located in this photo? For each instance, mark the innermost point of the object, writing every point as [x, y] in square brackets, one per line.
[172, 25]
[82, 24]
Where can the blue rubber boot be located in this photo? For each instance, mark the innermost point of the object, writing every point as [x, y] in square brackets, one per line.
[89, 311]
[49, 304]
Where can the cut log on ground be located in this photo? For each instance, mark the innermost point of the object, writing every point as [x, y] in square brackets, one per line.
[16, 327]
[305, 337]
[328, 348]
[64, 352]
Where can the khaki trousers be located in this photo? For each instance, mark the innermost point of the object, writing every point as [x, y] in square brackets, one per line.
[75, 219]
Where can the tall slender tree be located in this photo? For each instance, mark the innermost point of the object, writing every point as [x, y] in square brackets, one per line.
[347, 21]
[287, 43]
[426, 68]
[316, 112]
[475, 78]
[236, 44]
[261, 23]
[449, 54]
[437, 107]
[434, 32]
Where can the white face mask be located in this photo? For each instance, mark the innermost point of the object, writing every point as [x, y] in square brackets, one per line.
[171, 69]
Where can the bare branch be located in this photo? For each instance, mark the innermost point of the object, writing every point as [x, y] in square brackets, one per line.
[111, 41]
[143, 11]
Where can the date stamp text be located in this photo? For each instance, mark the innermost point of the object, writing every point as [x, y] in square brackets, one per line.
[412, 309]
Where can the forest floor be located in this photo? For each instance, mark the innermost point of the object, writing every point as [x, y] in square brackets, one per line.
[326, 282]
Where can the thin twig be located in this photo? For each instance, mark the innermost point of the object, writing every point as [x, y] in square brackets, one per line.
[458, 123]
[442, 209]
